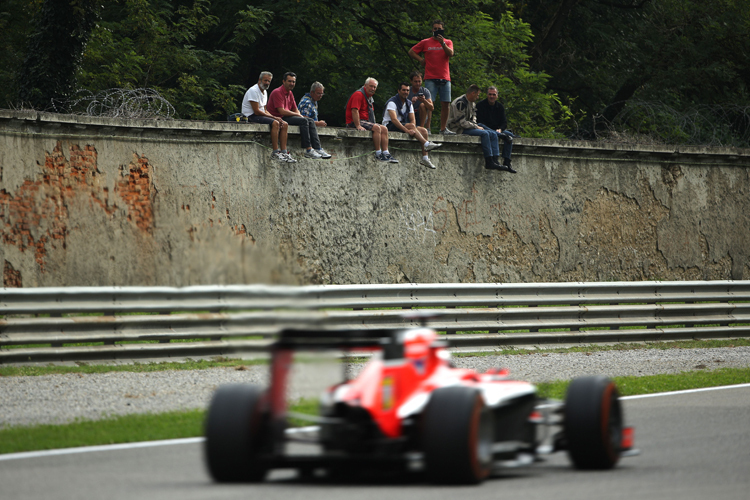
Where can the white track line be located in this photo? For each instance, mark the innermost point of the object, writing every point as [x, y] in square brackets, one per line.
[168, 442]
[109, 447]
[686, 391]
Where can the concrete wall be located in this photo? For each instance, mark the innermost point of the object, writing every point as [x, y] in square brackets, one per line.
[95, 201]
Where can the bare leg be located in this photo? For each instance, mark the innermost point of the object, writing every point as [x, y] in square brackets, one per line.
[421, 136]
[383, 137]
[423, 115]
[275, 135]
[376, 137]
[444, 108]
[282, 135]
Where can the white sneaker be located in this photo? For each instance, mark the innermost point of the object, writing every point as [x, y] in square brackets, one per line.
[311, 153]
[427, 163]
[278, 155]
[447, 132]
[289, 158]
[323, 153]
[429, 145]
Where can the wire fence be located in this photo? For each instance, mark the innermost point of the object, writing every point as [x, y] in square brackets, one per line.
[139, 103]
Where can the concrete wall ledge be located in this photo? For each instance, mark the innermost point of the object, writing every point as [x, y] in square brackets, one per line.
[551, 148]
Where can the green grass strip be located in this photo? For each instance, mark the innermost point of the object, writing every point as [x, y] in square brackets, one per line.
[120, 429]
[651, 384]
[83, 367]
[677, 344]
[219, 361]
[183, 424]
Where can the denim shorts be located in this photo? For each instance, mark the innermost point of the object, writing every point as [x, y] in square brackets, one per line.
[442, 87]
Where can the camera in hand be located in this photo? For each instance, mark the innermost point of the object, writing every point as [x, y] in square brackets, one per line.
[420, 94]
[440, 32]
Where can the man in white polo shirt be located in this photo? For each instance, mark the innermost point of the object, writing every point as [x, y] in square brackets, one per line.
[254, 107]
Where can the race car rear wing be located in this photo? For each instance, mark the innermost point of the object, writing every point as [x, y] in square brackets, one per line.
[390, 341]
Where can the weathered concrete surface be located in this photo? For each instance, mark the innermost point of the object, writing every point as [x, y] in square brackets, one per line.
[94, 201]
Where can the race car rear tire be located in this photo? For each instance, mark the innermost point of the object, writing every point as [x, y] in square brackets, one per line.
[593, 423]
[457, 436]
[235, 426]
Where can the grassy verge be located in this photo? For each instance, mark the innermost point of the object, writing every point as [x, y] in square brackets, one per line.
[631, 386]
[82, 367]
[121, 429]
[678, 344]
[133, 428]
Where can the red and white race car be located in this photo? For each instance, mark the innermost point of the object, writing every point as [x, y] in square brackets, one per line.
[409, 410]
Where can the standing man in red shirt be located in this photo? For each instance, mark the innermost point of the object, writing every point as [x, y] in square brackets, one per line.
[436, 53]
[360, 115]
[281, 103]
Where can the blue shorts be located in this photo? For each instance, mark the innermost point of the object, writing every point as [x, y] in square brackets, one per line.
[442, 87]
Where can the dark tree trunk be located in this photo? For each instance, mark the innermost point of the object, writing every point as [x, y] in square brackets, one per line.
[55, 50]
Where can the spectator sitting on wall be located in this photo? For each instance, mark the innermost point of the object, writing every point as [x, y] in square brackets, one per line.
[254, 107]
[281, 103]
[399, 117]
[491, 113]
[462, 119]
[360, 110]
[308, 105]
[421, 99]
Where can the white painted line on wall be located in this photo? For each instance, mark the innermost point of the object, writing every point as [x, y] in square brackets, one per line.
[169, 442]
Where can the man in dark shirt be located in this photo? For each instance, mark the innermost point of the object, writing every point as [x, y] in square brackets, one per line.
[491, 114]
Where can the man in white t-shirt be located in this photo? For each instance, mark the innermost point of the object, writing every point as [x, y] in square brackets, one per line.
[399, 117]
[254, 107]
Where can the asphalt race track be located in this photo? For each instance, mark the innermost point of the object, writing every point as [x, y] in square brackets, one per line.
[694, 446]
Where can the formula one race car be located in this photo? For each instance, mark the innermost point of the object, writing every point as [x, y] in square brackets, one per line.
[409, 410]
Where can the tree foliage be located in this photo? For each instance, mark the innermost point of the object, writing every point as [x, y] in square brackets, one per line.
[154, 44]
[561, 65]
[603, 55]
[55, 49]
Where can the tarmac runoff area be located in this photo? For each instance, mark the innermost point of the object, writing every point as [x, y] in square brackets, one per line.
[56, 399]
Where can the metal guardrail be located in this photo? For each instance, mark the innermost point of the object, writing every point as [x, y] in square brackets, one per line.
[123, 319]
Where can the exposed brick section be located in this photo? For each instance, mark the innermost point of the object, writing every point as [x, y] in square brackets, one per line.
[11, 277]
[36, 215]
[135, 190]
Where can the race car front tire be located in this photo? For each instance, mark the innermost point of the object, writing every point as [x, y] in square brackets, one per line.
[235, 427]
[457, 435]
[593, 423]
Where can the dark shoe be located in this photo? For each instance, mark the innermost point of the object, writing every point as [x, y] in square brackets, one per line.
[491, 164]
[508, 168]
[387, 157]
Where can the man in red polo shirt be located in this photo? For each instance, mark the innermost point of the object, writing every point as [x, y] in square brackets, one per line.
[360, 115]
[281, 103]
[436, 52]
